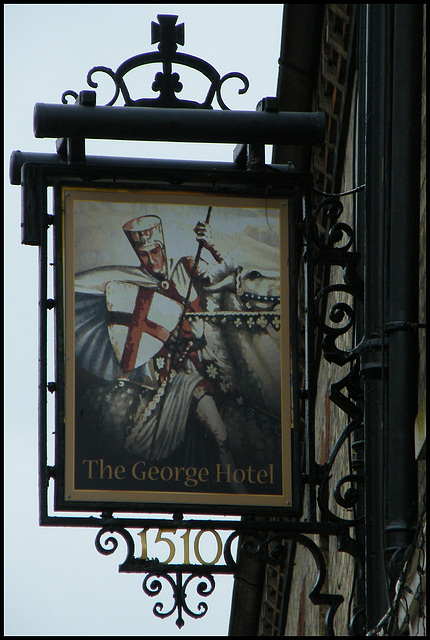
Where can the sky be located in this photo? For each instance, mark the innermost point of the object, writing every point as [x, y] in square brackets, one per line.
[56, 583]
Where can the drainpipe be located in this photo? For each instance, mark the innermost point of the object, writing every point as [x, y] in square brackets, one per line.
[373, 163]
[247, 594]
[402, 305]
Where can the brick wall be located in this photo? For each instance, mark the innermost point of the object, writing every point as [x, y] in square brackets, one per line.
[303, 617]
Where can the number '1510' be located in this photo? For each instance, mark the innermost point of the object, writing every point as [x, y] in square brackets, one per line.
[160, 537]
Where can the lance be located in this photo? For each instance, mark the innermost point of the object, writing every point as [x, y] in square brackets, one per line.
[179, 328]
[194, 271]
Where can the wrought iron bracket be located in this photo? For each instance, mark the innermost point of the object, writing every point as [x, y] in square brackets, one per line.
[269, 540]
[330, 303]
[332, 322]
[266, 539]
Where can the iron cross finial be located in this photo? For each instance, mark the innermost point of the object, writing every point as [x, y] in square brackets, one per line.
[166, 82]
[167, 33]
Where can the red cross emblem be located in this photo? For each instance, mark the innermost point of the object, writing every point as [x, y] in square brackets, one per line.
[139, 322]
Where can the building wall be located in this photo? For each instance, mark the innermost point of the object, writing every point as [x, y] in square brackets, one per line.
[286, 607]
[330, 422]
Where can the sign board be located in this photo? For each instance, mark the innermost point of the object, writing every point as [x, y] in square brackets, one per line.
[176, 353]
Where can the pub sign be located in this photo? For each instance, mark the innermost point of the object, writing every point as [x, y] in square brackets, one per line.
[174, 338]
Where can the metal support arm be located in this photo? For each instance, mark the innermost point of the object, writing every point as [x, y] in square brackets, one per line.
[177, 125]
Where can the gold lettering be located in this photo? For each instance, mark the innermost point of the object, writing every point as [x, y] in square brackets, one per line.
[262, 476]
[142, 535]
[225, 473]
[90, 467]
[219, 473]
[204, 474]
[171, 544]
[265, 476]
[166, 473]
[104, 468]
[186, 539]
[197, 550]
[136, 471]
[178, 473]
[153, 471]
[104, 471]
[119, 470]
[190, 474]
[238, 475]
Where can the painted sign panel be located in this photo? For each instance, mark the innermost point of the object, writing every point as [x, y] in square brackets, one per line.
[177, 370]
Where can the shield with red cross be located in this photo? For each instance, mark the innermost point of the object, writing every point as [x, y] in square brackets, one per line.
[139, 322]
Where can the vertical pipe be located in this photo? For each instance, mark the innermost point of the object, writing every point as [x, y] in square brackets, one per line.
[402, 306]
[373, 162]
[357, 617]
[43, 381]
[310, 367]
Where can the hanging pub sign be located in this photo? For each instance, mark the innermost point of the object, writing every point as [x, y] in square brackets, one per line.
[176, 355]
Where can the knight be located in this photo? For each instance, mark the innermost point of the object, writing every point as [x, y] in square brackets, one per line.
[152, 345]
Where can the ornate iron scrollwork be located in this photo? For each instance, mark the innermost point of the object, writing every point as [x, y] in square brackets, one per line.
[269, 546]
[270, 540]
[349, 499]
[158, 574]
[166, 82]
[331, 315]
[331, 310]
[153, 587]
[329, 252]
[334, 248]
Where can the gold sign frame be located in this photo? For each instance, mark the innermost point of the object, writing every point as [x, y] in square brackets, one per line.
[112, 403]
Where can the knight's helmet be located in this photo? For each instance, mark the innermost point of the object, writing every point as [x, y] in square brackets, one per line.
[145, 233]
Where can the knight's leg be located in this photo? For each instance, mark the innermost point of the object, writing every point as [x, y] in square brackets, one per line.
[209, 416]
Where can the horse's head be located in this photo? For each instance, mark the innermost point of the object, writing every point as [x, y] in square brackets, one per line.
[256, 289]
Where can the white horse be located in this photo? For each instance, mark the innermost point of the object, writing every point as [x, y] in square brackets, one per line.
[242, 329]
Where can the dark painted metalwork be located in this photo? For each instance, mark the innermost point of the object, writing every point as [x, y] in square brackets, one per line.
[402, 307]
[167, 82]
[177, 125]
[267, 534]
[259, 538]
[345, 393]
[265, 540]
[173, 119]
[105, 167]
